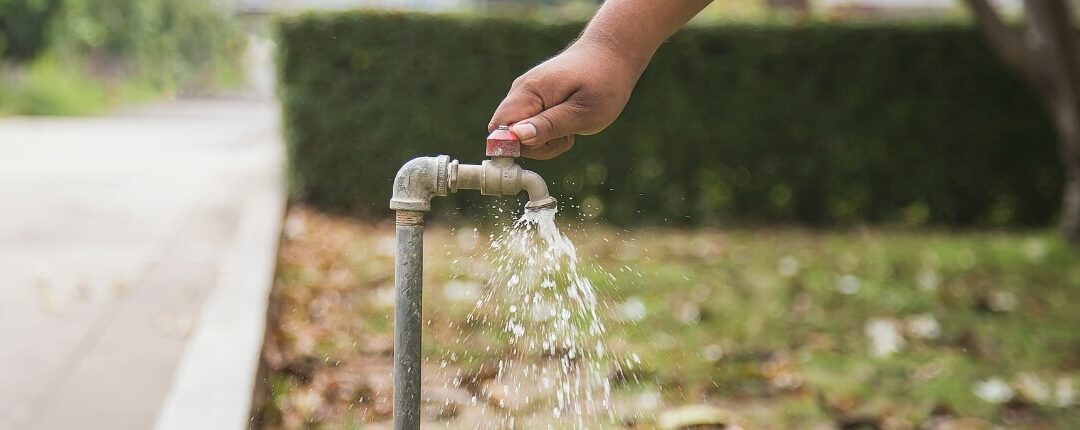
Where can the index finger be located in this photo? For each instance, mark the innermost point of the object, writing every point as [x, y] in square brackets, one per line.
[517, 105]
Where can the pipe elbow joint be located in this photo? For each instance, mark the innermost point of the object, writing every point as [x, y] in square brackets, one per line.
[418, 181]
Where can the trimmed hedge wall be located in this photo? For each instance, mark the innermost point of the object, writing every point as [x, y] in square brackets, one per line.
[817, 124]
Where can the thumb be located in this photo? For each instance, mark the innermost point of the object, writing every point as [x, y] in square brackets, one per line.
[560, 121]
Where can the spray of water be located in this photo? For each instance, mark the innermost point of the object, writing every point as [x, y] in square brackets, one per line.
[554, 368]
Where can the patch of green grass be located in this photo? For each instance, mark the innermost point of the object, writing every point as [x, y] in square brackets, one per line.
[782, 315]
[770, 324]
[51, 86]
[47, 88]
[1004, 305]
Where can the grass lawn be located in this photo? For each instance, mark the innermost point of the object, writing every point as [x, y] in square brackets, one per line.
[781, 329]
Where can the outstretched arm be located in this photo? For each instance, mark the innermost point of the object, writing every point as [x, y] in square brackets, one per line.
[583, 89]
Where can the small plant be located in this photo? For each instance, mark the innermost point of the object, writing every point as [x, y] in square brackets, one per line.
[76, 57]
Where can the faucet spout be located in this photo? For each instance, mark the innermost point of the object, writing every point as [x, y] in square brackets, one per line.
[539, 198]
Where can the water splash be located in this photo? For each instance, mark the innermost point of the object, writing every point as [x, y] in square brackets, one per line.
[543, 319]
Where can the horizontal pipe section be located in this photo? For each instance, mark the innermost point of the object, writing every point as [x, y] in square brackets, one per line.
[470, 177]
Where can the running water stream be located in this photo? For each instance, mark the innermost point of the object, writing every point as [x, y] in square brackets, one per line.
[554, 368]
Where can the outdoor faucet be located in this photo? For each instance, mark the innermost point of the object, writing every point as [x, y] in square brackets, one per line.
[423, 178]
[417, 182]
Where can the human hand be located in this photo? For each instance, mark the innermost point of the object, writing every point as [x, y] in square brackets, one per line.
[580, 91]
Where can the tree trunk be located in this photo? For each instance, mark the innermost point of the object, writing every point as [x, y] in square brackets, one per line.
[1067, 122]
[1046, 51]
[1070, 207]
[1052, 33]
[1066, 115]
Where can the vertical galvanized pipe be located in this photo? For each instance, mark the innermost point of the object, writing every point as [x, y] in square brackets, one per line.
[407, 319]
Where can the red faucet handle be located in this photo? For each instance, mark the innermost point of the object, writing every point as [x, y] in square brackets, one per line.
[503, 143]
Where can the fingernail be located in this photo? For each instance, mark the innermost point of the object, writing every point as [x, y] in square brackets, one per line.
[524, 130]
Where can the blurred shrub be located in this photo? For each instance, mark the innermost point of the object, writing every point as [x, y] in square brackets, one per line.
[47, 88]
[812, 124]
[77, 56]
[24, 26]
[167, 41]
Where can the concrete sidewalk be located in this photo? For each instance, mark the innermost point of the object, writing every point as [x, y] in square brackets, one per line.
[114, 232]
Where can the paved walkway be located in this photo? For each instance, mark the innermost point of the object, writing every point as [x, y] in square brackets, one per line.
[114, 232]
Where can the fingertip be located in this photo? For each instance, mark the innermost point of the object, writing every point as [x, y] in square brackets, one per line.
[525, 131]
[517, 106]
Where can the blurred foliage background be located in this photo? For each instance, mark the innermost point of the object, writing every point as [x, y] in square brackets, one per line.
[819, 124]
[81, 56]
[762, 115]
[752, 11]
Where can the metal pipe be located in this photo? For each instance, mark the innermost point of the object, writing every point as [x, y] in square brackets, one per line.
[466, 176]
[417, 182]
[408, 311]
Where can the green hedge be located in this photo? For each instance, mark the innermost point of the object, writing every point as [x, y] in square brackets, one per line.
[24, 27]
[816, 124]
[77, 57]
[172, 43]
